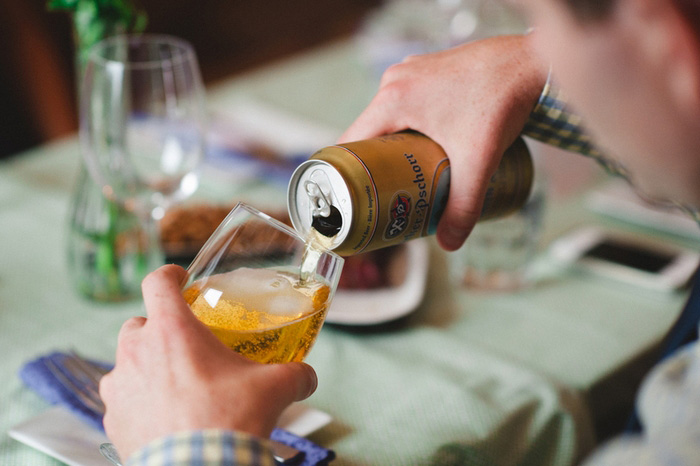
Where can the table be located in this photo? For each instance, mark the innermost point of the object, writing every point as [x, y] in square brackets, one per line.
[535, 376]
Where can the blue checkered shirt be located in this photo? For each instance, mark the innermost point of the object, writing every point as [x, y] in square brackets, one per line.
[209, 447]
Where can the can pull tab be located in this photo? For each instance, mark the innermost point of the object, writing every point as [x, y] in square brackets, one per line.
[321, 206]
[326, 218]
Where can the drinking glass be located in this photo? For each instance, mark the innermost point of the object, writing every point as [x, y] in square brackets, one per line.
[498, 254]
[142, 115]
[261, 288]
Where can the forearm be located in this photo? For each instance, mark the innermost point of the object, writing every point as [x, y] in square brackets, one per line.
[211, 447]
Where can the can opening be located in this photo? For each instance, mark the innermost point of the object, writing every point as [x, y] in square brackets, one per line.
[328, 226]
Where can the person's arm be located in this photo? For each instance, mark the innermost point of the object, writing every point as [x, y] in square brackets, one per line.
[172, 375]
[474, 100]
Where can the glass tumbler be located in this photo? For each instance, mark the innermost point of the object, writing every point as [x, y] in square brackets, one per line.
[263, 290]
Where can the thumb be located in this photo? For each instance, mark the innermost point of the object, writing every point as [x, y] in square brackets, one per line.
[377, 119]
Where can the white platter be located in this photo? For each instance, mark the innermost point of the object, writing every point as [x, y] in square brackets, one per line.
[381, 305]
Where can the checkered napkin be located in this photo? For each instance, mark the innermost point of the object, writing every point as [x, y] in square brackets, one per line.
[37, 376]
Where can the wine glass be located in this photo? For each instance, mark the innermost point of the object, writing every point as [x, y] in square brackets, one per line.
[261, 288]
[142, 118]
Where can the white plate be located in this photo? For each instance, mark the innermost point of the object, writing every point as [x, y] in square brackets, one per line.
[371, 307]
[61, 435]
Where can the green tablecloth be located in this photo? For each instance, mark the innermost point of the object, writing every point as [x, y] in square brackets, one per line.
[469, 378]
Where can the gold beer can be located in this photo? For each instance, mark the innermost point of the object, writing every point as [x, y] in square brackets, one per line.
[384, 191]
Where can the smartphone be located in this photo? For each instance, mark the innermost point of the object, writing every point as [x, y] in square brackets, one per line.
[646, 263]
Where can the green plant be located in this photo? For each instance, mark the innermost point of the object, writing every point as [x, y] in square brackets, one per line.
[94, 20]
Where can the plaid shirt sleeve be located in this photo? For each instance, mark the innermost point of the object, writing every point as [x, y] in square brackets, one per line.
[553, 123]
[209, 447]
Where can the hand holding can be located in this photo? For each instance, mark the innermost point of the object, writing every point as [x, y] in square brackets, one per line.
[384, 191]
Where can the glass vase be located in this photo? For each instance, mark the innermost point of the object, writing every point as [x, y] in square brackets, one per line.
[109, 249]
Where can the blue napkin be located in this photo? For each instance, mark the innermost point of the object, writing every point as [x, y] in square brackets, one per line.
[37, 376]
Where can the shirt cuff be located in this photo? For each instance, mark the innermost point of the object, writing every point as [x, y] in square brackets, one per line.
[209, 447]
[552, 122]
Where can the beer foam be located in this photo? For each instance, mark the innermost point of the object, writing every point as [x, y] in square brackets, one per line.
[263, 289]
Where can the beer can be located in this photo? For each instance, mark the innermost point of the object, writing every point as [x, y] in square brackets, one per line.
[384, 191]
